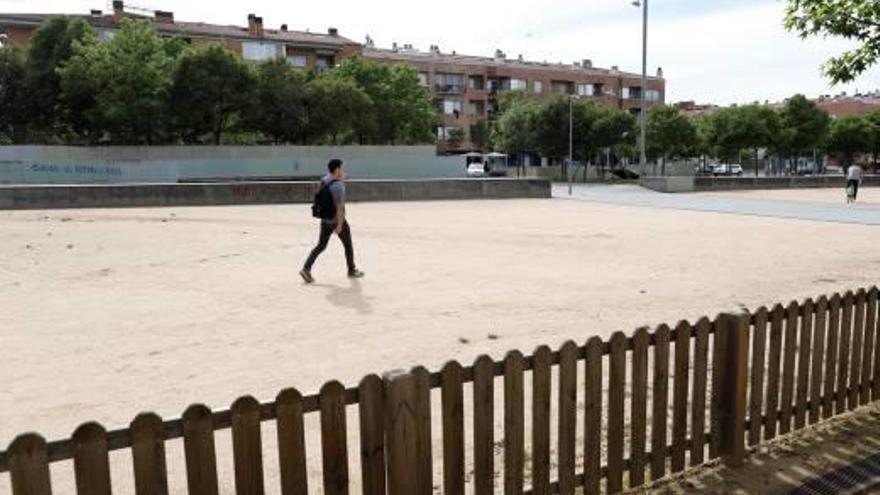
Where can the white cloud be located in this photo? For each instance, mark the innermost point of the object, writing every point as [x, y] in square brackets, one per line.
[740, 54]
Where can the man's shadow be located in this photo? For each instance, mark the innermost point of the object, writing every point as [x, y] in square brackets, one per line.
[351, 297]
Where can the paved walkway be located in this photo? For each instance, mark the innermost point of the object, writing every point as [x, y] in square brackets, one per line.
[838, 456]
[865, 213]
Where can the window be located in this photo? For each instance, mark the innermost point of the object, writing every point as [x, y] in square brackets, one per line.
[585, 89]
[297, 60]
[625, 93]
[448, 83]
[476, 83]
[452, 107]
[562, 87]
[423, 78]
[323, 62]
[652, 95]
[106, 34]
[444, 133]
[518, 84]
[257, 50]
[538, 87]
[476, 108]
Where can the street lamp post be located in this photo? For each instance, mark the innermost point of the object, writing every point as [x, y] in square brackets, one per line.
[570, 140]
[643, 115]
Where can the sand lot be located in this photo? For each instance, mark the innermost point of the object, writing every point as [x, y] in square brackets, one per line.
[106, 313]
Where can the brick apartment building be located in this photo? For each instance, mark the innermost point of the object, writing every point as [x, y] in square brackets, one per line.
[254, 42]
[464, 88]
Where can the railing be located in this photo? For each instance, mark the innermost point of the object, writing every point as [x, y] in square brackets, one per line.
[643, 406]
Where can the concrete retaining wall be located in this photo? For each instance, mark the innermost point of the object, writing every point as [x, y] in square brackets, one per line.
[169, 164]
[691, 184]
[241, 193]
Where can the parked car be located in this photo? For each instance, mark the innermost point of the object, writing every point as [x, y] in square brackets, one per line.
[726, 169]
[476, 170]
[705, 169]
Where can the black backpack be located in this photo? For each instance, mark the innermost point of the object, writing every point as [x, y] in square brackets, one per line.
[323, 206]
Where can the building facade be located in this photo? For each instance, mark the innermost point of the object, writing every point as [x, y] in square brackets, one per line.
[465, 89]
[254, 41]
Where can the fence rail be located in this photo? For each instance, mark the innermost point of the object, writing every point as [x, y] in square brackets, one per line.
[636, 408]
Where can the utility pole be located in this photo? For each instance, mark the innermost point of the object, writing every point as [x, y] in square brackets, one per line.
[643, 115]
[570, 140]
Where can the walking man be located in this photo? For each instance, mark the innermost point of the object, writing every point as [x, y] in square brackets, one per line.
[329, 206]
[853, 179]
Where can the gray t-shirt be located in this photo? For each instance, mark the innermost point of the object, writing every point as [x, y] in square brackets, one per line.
[854, 173]
[337, 190]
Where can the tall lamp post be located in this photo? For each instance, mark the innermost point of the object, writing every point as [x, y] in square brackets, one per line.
[643, 115]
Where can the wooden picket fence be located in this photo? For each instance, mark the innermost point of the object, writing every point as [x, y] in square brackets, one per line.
[668, 398]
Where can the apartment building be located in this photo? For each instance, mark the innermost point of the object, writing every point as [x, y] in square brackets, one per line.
[254, 41]
[466, 88]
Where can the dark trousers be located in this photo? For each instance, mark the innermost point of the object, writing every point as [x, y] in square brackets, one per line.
[855, 187]
[324, 238]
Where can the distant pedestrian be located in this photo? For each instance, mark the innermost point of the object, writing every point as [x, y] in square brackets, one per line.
[853, 180]
[329, 206]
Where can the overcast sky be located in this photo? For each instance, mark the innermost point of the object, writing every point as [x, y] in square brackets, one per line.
[712, 51]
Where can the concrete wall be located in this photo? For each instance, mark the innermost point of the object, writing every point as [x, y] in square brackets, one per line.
[168, 164]
[238, 193]
[690, 184]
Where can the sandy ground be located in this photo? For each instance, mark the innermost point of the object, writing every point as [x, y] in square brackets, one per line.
[107, 313]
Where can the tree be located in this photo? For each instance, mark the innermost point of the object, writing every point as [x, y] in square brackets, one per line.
[455, 138]
[514, 131]
[849, 137]
[728, 131]
[480, 135]
[805, 126]
[856, 20]
[212, 88]
[50, 48]
[130, 80]
[669, 133]
[335, 109]
[14, 115]
[611, 129]
[281, 97]
[873, 121]
[401, 109]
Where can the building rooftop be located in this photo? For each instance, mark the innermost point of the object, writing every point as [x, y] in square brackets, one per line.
[183, 28]
[407, 53]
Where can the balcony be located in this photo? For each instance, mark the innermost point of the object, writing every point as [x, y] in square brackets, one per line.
[448, 88]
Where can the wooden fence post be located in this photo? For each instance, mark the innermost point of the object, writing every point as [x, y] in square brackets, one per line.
[401, 433]
[734, 379]
[29, 465]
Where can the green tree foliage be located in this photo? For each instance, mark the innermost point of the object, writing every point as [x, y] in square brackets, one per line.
[50, 48]
[282, 98]
[849, 137]
[400, 112]
[480, 135]
[805, 126]
[855, 20]
[514, 131]
[669, 133]
[873, 120]
[336, 106]
[729, 131]
[456, 137]
[129, 78]
[13, 96]
[212, 89]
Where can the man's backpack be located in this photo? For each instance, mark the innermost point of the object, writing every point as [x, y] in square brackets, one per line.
[323, 206]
